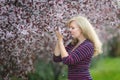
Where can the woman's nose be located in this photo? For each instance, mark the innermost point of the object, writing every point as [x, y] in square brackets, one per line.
[70, 29]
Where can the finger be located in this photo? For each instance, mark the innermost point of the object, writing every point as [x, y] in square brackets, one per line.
[57, 33]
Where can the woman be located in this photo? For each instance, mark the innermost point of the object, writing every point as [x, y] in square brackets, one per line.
[77, 55]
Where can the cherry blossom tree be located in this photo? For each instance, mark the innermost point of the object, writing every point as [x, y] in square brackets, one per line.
[27, 29]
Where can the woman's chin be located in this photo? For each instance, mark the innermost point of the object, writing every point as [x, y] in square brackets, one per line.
[73, 36]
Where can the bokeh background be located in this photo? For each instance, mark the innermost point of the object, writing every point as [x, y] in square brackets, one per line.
[27, 37]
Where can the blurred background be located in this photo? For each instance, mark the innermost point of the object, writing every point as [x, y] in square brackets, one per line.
[27, 38]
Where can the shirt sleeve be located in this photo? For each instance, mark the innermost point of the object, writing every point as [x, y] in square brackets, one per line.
[69, 47]
[57, 58]
[83, 52]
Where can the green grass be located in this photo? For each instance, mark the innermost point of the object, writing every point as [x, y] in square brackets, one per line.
[106, 69]
[101, 69]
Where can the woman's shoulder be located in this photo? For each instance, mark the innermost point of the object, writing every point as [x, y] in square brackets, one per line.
[88, 43]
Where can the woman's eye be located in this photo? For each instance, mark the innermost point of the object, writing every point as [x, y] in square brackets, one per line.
[73, 28]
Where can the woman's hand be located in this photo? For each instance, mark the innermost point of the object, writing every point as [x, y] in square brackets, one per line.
[59, 36]
[62, 49]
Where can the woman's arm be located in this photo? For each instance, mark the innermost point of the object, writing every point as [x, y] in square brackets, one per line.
[56, 55]
[74, 57]
[84, 52]
[57, 50]
[63, 51]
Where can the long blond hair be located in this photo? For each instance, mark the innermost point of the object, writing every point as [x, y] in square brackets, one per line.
[89, 32]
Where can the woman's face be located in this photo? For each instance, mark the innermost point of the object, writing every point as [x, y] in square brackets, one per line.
[75, 30]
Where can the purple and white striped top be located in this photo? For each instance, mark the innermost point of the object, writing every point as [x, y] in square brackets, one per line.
[78, 60]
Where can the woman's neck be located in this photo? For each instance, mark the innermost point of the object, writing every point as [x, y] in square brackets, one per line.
[81, 39]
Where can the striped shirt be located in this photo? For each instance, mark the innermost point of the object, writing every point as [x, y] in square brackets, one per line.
[78, 60]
